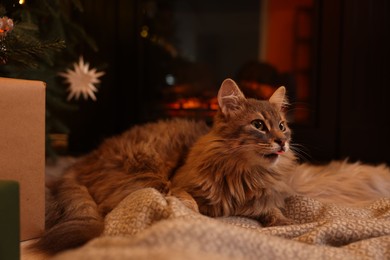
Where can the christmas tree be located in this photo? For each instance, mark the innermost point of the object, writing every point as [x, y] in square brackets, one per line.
[39, 39]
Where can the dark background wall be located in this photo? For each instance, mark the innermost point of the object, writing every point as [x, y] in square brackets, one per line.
[364, 86]
[350, 79]
[114, 26]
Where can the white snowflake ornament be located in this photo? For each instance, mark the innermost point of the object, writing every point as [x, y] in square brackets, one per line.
[81, 80]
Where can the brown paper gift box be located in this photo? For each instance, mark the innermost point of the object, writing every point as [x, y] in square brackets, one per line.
[22, 148]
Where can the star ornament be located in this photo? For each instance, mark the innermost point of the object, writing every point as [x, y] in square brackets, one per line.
[81, 80]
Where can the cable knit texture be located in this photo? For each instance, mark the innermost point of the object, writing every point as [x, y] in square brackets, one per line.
[147, 225]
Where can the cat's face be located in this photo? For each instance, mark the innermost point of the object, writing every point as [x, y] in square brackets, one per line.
[252, 128]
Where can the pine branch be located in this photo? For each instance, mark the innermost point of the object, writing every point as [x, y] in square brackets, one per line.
[28, 51]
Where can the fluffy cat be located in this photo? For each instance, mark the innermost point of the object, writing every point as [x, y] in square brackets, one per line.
[242, 166]
[238, 168]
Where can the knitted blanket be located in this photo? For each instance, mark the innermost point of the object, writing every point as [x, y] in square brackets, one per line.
[147, 225]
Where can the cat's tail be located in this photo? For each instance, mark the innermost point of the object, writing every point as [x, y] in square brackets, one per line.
[341, 182]
[72, 219]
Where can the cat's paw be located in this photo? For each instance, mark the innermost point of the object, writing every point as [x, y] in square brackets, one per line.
[191, 204]
[275, 218]
[277, 221]
[186, 199]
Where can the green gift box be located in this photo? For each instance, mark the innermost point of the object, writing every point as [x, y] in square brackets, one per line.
[9, 220]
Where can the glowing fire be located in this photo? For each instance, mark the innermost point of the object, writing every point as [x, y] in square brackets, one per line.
[194, 103]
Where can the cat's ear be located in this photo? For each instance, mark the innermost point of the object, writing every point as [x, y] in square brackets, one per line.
[279, 98]
[229, 96]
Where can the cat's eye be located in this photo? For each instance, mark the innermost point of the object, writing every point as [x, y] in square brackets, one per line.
[282, 126]
[258, 124]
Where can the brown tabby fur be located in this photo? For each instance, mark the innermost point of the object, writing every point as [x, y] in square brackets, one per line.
[239, 167]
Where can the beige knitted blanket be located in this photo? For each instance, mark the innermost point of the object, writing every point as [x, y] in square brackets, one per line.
[147, 225]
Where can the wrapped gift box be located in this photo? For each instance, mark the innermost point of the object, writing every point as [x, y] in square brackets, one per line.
[22, 148]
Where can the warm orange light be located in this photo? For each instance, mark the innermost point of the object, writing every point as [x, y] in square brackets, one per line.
[193, 103]
[144, 32]
[214, 104]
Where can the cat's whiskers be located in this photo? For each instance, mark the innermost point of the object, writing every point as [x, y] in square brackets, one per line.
[299, 152]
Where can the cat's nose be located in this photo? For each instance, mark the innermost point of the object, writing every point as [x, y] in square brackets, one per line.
[282, 143]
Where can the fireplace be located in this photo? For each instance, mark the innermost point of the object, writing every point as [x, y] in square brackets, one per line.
[190, 46]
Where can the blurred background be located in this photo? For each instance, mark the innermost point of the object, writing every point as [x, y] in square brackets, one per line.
[165, 58]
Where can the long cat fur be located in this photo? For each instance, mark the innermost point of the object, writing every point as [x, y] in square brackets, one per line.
[341, 182]
[232, 169]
